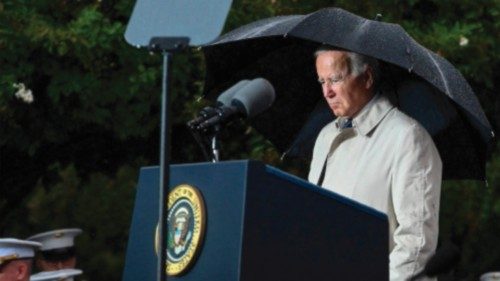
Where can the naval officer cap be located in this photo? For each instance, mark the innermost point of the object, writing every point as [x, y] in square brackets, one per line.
[66, 274]
[15, 249]
[57, 244]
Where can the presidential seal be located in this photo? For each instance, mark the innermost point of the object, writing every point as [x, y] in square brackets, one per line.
[186, 228]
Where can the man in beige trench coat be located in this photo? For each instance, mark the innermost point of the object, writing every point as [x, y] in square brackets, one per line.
[376, 155]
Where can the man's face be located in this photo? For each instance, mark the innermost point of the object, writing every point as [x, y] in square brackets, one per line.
[16, 270]
[45, 265]
[345, 93]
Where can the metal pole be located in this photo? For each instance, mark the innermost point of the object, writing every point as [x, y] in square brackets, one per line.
[164, 167]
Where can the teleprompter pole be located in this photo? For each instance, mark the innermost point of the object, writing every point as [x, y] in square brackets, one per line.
[165, 140]
[165, 45]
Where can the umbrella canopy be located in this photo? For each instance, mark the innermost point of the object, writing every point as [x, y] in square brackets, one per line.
[427, 86]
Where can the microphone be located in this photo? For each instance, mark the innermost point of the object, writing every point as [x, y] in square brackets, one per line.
[204, 114]
[224, 99]
[252, 99]
[443, 260]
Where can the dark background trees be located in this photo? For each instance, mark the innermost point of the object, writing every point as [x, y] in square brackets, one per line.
[70, 158]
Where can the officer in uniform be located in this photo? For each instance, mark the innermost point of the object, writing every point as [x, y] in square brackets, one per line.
[16, 259]
[57, 250]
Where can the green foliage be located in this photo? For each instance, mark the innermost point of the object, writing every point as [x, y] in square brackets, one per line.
[243, 12]
[101, 205]
[469, 214]
[81, 73]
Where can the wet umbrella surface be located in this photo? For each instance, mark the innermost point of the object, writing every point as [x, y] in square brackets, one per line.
[427, 87]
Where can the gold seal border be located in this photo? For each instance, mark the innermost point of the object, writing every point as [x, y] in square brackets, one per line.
[194, 196]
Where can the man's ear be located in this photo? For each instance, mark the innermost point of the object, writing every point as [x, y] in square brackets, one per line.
[22, 271]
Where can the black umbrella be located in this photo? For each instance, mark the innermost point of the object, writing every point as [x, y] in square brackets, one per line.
[281, 49]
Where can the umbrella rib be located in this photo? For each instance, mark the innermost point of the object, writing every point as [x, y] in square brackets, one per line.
[264, 28]
[443, 78]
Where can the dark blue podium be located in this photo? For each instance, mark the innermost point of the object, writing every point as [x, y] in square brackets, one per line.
[263, 224]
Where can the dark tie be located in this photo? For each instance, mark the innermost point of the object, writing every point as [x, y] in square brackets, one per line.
[347, 123]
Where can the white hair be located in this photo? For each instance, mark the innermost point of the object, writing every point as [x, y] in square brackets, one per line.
[358, 63]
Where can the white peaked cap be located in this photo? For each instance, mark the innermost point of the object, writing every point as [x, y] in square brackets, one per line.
[56, 275]
[12, 248]
[56, 239]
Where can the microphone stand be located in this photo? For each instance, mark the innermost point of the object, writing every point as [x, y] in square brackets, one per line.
[215, 145]
[206, 137]
[207, 140]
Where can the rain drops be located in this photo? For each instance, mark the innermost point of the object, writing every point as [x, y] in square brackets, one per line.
[22, 93]
[464, 41]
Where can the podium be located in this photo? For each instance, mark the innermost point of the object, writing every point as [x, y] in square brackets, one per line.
[263, 224]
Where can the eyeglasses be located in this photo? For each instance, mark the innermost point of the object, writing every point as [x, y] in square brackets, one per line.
[332, 80]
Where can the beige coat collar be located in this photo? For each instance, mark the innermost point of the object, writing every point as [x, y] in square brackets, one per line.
[370, 116]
